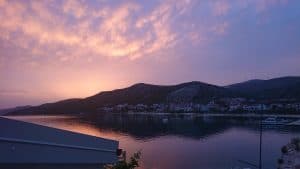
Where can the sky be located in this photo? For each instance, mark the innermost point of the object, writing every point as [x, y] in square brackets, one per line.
[53, 49]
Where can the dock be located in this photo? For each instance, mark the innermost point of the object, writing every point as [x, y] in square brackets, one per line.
[31, 144]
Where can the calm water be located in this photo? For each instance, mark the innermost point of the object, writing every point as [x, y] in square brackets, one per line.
[182, 142]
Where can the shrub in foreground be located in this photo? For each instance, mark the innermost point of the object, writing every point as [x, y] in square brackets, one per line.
[123, 164]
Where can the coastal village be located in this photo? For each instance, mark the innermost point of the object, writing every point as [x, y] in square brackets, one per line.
[216, 105]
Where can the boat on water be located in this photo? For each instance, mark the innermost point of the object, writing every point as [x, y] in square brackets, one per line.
[165, 120]
[275, 121]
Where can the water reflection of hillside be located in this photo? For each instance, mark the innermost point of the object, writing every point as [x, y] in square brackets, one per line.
[150, 126]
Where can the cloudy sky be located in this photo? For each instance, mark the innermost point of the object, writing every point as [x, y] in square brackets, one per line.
[53, 49]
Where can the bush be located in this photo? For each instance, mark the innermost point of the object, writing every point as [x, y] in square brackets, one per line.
[284, 149]
[131, 164]
[280, 161]
[295, 141]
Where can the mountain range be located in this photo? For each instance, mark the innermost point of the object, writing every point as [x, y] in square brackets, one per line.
[277, 88]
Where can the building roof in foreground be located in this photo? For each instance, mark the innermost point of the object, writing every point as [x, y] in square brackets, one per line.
[22, 142]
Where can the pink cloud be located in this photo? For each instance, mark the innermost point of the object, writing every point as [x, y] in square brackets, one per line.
[115, 36]
[74, 8]
[220, 8]
[220, 28]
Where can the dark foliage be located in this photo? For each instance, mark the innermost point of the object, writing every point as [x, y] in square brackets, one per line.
[284, 149]
[131, 164]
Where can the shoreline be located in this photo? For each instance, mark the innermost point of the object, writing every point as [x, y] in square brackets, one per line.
[166, 114]
[215, 114]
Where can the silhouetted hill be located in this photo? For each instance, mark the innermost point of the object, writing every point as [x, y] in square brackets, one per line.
[19, 108]
[278, 88]
[284, 87]
[138, 93]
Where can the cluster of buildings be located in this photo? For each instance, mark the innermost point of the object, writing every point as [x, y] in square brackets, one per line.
[216, 105]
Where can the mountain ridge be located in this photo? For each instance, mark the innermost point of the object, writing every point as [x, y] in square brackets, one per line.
[194, 91]
[282, 87]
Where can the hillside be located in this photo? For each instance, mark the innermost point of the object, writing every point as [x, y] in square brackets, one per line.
[5, 111]
[138, 93]
[284, 87]
[197, 92]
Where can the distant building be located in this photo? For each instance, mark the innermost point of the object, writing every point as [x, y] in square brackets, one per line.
[235, 107]
[141, 107]
[255, 107]
[106, 109]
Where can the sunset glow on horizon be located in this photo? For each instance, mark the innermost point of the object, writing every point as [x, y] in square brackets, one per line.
[52, 50]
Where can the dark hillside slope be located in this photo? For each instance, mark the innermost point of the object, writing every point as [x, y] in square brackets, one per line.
[136, 94]
[284, 87]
